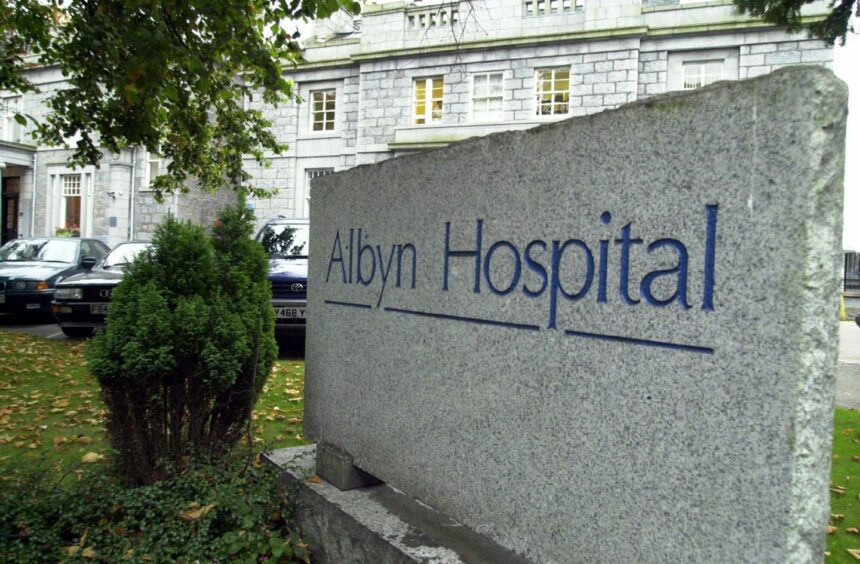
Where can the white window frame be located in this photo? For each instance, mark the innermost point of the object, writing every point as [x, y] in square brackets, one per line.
[310, 174]
[538, 92]
[11, 129]
[71, 190]
[147, 178]
[324, 92]
[707, 72]
[677, 59]
[428, 100]
[483, 98]
[55, 203]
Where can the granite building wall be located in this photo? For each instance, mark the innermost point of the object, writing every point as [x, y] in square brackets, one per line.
[616, 51]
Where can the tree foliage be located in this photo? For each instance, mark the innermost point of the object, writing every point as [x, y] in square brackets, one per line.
[169, 75]
[188, 347]
[835, 26]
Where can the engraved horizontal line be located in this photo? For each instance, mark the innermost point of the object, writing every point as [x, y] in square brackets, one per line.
[644, 342]
[347, 304]
[465, 319]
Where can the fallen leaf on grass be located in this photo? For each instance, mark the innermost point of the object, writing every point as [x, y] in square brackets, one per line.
[853, 530]
[314, 479]
[837, 517]
[855, 458]
[855, 552]
[88, 552]
[847, 431]
[83, 440]
[195, 512]
[72, 550]
[91, 457]
[839, 490]
[831, 529]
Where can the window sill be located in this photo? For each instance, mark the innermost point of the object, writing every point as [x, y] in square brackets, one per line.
[553, 117]
[327, 135]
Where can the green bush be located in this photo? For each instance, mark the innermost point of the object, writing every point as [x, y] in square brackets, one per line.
[188, 346]
[210, 513]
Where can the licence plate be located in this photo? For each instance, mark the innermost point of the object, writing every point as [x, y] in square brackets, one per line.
[99, 308]
[289, 312]
[33, 306]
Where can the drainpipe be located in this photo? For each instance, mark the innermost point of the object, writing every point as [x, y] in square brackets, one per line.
[33, 199]
[130, 234]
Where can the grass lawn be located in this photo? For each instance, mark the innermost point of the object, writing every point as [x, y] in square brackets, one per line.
[845, 488]
[51, 418]
[51, 414]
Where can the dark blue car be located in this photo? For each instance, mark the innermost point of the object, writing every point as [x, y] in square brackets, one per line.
[286, 242]
[31, 268]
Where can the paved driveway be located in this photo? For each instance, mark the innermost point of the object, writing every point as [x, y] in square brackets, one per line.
[848, 376]
[293, 348]
[44, 327]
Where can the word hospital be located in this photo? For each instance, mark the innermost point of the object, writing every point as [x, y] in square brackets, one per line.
[539, 267]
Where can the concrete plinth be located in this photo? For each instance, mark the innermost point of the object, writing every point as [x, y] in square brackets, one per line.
[376, 524]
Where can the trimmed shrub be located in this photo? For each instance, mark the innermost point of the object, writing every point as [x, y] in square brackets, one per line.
[188, 346]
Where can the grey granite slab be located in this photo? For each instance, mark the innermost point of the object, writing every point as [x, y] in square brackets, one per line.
[640, 366]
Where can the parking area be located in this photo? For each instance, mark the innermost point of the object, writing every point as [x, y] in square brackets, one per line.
[293, 347]
[43, 327]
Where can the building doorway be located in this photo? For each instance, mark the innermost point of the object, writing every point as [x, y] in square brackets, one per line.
[9, 209]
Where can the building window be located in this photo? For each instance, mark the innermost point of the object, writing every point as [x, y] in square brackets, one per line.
[151, 170]
[553, 91]
[71, 201]
[544, 7]
[11, 129]
[322, 110]
[687, 70]
[702, 73]
[487, 96]
[444, 15]
[428, 100]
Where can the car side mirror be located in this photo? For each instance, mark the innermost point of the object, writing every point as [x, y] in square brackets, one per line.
[88, 262]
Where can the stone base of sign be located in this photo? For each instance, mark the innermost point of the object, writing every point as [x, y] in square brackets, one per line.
[377, 523]
[336, 467]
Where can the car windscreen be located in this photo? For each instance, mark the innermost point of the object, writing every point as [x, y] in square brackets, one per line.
[285, 241]
[123, 254]
[39, 250]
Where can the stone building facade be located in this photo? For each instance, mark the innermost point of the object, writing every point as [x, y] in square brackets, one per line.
[42, 195]
[420, 75]
[412, 76]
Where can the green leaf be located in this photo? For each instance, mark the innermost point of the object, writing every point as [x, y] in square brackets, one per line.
[20, 119]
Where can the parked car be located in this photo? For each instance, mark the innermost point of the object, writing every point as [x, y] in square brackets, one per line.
[81, 301]
[286, 241]
[30, 268]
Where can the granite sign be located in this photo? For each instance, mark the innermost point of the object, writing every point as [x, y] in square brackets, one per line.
[607, 338]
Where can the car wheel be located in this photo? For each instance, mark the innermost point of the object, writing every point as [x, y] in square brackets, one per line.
[77, 332]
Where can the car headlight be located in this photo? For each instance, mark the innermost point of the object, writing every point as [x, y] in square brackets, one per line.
[68, 293]
[31, 285]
